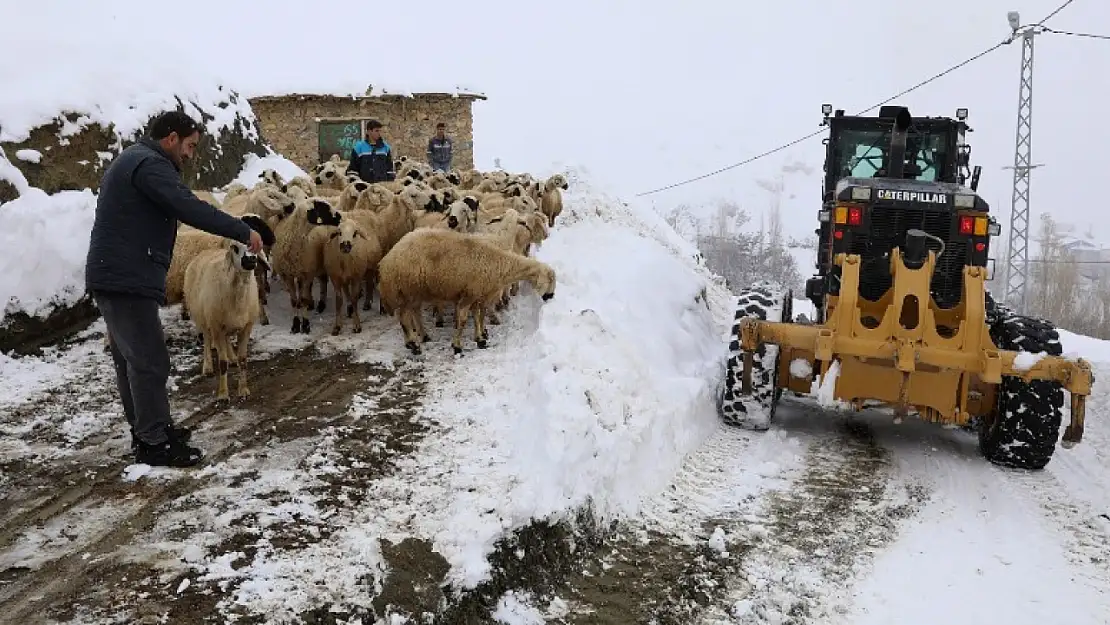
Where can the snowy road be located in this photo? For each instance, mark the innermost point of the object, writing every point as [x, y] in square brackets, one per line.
[574, 472]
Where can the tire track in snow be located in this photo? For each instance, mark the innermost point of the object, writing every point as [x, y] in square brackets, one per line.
[808, 540]
[1084, 531]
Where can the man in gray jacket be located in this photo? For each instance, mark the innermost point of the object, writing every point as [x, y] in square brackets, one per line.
[141, 200]
[439, 149]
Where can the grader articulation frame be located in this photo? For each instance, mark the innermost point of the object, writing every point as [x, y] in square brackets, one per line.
[903, 314]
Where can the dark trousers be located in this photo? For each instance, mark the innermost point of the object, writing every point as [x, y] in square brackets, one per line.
[142, 362]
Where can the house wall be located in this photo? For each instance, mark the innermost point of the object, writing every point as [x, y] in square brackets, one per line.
[290, 124]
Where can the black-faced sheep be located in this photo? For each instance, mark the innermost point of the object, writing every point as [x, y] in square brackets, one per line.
[298, 255]
[223, 300]
[270, 176]
[430, 266]
[351, 258]
[330, 179]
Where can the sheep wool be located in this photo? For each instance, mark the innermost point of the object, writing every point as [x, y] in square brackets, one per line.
[351, 257]
[430, 266]
[222, 298]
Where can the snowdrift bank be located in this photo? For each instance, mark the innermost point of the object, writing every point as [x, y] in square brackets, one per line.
[592, 399]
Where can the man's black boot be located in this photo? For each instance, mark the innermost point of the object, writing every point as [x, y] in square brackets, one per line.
[181, 433]
[172, 453]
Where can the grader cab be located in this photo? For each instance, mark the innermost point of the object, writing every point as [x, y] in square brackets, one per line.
[904, 319]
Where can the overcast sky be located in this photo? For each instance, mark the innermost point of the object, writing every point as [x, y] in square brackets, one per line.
[645, 93]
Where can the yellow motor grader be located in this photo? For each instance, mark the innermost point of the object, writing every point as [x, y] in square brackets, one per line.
[904, 319]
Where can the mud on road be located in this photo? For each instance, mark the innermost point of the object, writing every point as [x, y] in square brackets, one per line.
[295, 441]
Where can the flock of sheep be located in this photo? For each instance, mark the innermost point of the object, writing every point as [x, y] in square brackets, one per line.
[457, 239]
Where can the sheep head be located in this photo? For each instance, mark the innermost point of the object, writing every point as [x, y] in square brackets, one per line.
[274, 202]
[454, 178]
[460, 217]
[322, 213]
[328, 173]
[243, 259]
[472, 202]
[557, 181]
[259, 225]
[346, 235]
[269, 176]
[416, 198]
[542, 277]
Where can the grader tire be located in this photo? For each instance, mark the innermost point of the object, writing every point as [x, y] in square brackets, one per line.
[1026, 425]
[769, 302]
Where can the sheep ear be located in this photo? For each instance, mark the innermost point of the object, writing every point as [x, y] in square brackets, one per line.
[333, 235]
[471, 201]
[361, 186]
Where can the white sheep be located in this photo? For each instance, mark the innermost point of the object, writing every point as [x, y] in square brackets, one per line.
[222, 300]
[351, 258]
[429, 266]
[190, 243]
[551, 202]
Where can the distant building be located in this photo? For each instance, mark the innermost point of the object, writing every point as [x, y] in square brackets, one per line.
[309, 128]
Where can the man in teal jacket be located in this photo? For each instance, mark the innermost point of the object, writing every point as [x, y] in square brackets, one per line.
[372, 158]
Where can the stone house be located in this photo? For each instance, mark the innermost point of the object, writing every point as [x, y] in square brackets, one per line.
[309, 128]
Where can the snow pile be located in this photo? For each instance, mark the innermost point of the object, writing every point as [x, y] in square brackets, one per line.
[626, 366]
[253, 166]
[44, 239]
[593, 398]
[42, 88]
[1082, 346]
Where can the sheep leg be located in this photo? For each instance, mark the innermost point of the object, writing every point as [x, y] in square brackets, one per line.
[322, 305]
[354, 291]
[222, 358]
[462, 315]
[243, 338]
[260, 280]
[480, 336]
[420, 331]
[206, 359]
[404, 315]
[305, 289]
[294, 302]
[371, 280]
[438, 311]
[494, 318]
[184, 310]
[338, 326]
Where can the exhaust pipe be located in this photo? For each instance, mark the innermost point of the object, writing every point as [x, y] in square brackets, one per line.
[896, 158]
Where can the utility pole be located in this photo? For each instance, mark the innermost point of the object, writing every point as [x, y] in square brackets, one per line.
[1017, 266]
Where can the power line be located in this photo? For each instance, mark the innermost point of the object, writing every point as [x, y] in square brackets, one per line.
[1064, 32]
[1053, 14]
[822, 130]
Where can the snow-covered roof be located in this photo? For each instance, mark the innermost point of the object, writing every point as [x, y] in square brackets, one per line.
[373, 91]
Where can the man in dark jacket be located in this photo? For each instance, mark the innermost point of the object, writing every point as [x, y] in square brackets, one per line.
[141, 200]
[439, 149]
[372, 158]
